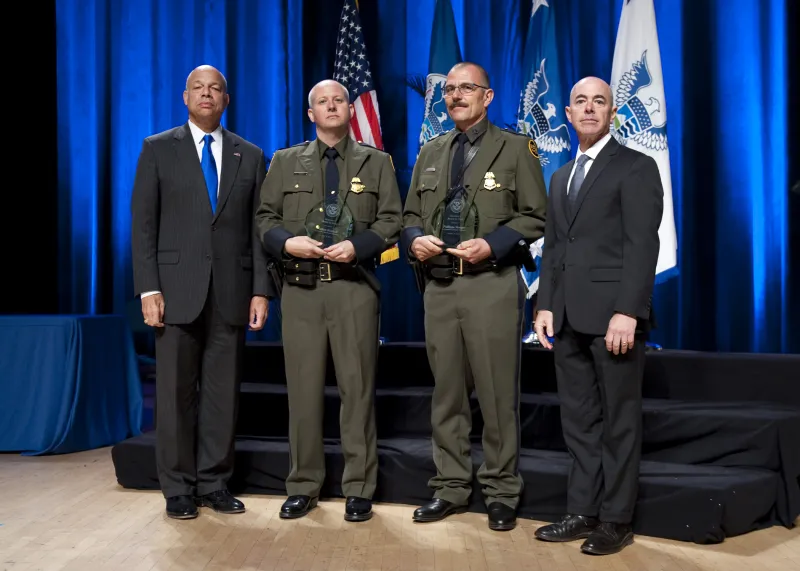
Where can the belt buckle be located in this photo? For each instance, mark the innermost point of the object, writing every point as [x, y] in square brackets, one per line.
[324, 271]
[458, 266]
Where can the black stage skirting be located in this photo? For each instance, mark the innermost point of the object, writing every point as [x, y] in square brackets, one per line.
[720, 454]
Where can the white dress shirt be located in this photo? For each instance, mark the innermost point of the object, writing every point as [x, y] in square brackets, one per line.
[216, 152]
[592, 153]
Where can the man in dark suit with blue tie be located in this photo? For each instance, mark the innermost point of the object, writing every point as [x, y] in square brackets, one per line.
[201, 272]
[598, 269]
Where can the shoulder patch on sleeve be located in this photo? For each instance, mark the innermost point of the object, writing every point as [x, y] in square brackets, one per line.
[533, 148]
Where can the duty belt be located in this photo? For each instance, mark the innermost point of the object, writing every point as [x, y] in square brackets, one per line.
[308, 272]
[445, 267]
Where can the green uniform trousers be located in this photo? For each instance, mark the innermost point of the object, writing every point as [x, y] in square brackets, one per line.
[346, 314]
[473, 329]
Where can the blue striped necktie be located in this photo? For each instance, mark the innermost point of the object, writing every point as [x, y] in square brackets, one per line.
[210, 171]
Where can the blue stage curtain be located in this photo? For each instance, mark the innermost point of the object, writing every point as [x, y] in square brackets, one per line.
[122, 66]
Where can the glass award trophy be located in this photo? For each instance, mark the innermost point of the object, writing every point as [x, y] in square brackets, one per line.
[329, 222]
[453, 222]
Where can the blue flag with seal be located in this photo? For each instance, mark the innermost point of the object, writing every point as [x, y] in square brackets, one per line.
[445, 53]
[541, 113]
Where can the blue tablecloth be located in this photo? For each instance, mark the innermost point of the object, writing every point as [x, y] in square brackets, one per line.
[67, 383]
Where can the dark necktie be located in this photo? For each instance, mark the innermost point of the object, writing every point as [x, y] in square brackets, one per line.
[458, 161]
[451, 231]
[331, 191]
[577, 181]
[210, 171]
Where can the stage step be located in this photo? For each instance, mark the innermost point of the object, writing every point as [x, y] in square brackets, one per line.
[702, 504]
[722, 434]
[669, 374]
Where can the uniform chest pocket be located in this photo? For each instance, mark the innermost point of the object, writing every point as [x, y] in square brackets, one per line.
[297, 197]
[427, 193]
[363, 200]
[497, 195]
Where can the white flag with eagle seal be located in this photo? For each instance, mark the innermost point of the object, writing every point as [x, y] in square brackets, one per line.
[637, 85]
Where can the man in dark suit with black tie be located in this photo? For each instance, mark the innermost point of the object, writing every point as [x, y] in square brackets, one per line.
[598, 270]
[202, 275]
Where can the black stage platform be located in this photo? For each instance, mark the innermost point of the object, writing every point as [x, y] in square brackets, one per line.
[720, 446]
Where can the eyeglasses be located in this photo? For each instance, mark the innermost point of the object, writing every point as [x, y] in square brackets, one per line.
[464, 88]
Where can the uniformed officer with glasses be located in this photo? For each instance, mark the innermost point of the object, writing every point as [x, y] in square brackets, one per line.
[477, 200]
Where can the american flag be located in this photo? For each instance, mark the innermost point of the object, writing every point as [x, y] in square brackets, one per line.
[351, 69]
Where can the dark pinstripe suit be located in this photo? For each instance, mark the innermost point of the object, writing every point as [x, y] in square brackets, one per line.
[208, 266]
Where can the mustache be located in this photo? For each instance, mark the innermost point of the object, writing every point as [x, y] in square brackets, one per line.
[458, 104]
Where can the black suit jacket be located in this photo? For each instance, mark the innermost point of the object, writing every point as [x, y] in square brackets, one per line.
[178, 243]
[603, 259]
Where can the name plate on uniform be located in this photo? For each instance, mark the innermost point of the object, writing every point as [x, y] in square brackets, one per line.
[330, 223]
[453, 222]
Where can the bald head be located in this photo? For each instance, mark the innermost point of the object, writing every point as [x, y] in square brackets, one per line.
[327, 85]
[591, 85]
[591, 110]
[205, 70]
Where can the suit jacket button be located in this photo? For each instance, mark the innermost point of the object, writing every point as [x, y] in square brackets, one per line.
[572, 238]
[208, 256]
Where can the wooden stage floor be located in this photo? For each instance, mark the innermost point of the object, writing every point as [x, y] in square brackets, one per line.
[68, 513]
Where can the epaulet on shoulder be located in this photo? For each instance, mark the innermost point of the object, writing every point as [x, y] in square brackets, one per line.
[363, 144]
[436, 136]
[303, 144]
[517, 133]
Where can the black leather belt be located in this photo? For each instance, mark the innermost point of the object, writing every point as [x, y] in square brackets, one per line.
[445, 267]
[308, 272]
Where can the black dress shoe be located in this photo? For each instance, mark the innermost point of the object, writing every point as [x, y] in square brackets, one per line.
[502, 517]
[221, 501]
[437, 510]
[608, 538]
[570, 528]
[297, 506]
[181, 507]
[357, 509]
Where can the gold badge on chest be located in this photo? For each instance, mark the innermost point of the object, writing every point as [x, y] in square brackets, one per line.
[489, 183]
[355, 185]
